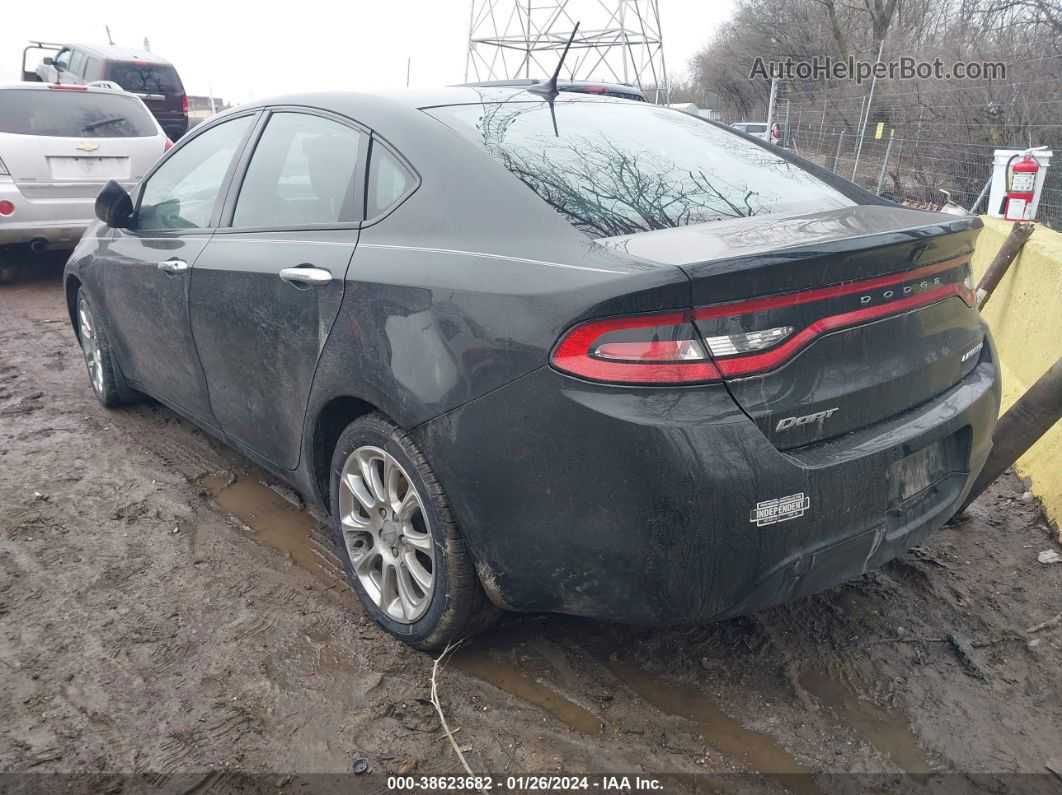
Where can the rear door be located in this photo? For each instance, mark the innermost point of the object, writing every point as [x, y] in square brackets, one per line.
[146, 269]
[67, 143]
[266, 291]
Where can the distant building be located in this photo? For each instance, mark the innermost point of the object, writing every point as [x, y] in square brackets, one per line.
[199, 108]
[693, 110]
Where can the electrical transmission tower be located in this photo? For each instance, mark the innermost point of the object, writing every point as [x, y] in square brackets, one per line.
[619, 41]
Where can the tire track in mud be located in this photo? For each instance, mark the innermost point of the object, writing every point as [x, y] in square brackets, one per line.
[546, 672]
[750, 750]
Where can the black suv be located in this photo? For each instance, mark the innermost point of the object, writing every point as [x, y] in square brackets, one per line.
[151, 78]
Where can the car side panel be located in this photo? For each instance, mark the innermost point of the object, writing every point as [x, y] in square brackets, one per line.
[423, 331]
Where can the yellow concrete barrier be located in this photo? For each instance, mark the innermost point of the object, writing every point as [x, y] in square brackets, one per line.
[1025, 315]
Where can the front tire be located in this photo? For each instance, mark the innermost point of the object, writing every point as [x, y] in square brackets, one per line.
[399, 541]
[104, 374]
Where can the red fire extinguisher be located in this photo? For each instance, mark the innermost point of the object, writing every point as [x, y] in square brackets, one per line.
[1021, 187]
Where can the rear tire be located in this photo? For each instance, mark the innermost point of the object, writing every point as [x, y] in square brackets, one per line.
[105, 376]
[399, 541]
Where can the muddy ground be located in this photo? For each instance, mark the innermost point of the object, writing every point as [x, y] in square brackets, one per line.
[163, 610]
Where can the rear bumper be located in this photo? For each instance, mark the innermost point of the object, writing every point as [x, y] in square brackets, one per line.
[639, 505]
[59, 222]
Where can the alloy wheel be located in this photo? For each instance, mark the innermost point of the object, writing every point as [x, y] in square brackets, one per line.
[386, 534]
[90, 346]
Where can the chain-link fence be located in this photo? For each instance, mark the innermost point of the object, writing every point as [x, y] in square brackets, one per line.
[911, 142]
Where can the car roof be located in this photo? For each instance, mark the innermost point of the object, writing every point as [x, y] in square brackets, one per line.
[112, 53]
[626, 87]
[81, 89]
[420, 98]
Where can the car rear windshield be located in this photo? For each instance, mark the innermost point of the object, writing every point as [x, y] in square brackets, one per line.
[74, 114]
[618, 168]
[145, 78]
[754, 128]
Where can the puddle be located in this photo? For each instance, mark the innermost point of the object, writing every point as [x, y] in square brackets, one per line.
[276, 523]
[323, 658]
[756, 751]
[889, 732]
[507, 677]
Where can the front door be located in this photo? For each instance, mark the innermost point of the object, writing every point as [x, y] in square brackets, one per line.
[147, 268]
[267, 289]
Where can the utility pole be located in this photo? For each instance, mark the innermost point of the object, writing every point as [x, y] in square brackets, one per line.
[210, 91]
[770, 104]
[409, 63]
[621, 42]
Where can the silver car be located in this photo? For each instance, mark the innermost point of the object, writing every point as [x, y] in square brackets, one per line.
[58, 146]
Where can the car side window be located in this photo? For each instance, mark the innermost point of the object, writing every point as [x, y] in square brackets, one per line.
[302, 172]
[63, 59]
[77, 63]
[182, 193]
[389, 181]
[92, 68]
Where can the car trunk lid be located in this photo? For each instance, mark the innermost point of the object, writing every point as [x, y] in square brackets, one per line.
[827, 322]
[50, 167]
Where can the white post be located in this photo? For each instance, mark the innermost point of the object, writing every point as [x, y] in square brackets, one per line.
[770, 105]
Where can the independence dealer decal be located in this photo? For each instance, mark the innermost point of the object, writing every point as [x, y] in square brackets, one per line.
[780, 509]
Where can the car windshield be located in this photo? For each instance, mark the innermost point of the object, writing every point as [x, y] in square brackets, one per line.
[145, 78]
[621, 168]
[74, 114]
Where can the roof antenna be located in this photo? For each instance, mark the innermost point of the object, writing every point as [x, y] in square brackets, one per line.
[549, 88]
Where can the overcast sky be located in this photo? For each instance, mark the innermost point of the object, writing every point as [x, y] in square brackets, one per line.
[247, 51]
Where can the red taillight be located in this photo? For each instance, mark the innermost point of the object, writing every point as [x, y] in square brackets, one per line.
[823, 293]
[69, 88]
[645, 349]
[594, 89]
[167, 146]
[758, 363]
[184, 103]
[6, 207]
[867, 300]
[668, 348]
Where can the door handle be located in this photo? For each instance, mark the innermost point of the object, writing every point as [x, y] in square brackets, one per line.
[306, 275]
[173, 265]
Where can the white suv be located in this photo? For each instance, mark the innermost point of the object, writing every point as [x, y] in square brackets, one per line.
[58, 146]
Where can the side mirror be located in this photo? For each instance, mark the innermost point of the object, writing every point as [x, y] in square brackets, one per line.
[114, 207]
[48, 61]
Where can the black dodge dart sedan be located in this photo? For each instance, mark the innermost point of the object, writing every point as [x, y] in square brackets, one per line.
[549, 353]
